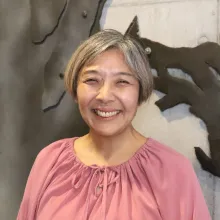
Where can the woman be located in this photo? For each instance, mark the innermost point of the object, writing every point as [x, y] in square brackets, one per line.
[113, 172]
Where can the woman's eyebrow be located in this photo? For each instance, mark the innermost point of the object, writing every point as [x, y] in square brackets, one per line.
[86, 72]
[90, 72]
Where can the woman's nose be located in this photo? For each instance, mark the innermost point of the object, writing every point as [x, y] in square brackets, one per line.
[105, 93]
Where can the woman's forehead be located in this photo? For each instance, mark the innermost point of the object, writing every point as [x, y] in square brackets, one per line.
[111, 60]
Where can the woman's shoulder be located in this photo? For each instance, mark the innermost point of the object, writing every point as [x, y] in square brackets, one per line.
[174, 183]
[51, 152]
[164, 149]
[54, 147]
[165, 157]
[49, 158]
[40, 175]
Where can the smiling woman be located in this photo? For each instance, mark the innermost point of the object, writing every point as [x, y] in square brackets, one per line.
[113, 172]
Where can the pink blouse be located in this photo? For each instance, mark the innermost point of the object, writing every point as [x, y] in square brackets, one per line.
[156, 183]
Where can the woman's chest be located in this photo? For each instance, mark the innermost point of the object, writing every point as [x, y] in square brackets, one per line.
[98, 199]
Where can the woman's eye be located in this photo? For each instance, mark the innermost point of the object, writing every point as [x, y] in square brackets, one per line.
[123, 82]
[91, 80]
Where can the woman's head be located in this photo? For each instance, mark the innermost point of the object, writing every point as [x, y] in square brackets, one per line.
[109, 77]
[102, 41]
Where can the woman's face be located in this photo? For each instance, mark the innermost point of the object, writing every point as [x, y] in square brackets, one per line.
[107, 94]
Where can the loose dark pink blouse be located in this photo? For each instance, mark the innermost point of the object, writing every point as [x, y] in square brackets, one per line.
[157, 183]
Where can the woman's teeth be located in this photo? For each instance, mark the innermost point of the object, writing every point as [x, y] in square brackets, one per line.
[106, 114]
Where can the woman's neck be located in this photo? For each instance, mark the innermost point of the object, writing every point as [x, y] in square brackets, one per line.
[110, 150]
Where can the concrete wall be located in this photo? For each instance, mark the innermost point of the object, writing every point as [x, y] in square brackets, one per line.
[175, 23]
[36, 41]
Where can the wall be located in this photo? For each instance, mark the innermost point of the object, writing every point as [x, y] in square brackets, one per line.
[36, 41]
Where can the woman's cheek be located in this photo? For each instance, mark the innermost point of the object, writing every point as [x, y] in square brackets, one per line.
[131, 97]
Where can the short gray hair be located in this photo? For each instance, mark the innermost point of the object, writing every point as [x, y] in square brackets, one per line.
[134, 55]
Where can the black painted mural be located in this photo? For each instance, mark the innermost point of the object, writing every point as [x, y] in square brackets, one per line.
[203, 96]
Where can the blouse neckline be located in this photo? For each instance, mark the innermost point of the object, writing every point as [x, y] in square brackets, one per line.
[133, 158]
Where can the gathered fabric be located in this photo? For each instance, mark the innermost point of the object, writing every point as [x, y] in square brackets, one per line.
[156, 183]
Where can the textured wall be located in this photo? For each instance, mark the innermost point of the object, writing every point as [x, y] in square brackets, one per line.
[175, 23]
[36, 41]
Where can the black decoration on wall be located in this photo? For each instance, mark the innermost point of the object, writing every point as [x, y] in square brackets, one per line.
[203, 95]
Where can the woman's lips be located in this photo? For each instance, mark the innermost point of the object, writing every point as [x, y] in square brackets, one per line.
[106, 109]
[106, 114]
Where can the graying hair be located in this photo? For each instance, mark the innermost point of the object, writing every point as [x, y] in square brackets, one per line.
[134, 55]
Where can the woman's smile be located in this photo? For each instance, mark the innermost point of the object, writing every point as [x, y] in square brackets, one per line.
[106, 114]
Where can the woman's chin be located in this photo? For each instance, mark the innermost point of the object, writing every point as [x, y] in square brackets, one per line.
[107, 131]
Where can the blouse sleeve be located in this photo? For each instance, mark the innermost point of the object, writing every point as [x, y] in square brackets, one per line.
[200, 209]
[179, 195]
[28, 203]
[193, 203]
[175, 186]
[38, 180]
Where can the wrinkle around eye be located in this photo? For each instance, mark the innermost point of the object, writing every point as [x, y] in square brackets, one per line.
[123, 82]
[90, 81]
